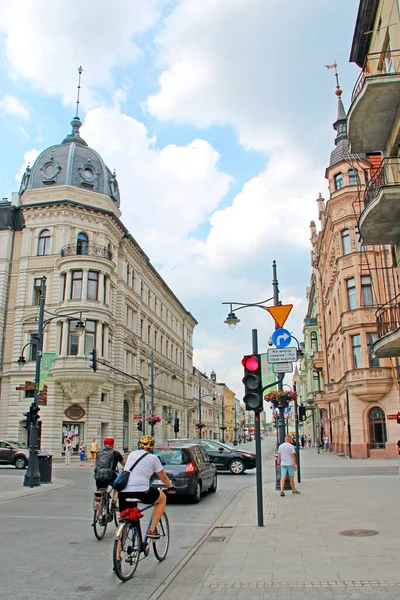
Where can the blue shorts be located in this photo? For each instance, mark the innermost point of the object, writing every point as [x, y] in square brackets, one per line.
[287, 470]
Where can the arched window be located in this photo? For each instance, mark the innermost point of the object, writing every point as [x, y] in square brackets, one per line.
[82, 243]
[44, 243]
[314, 341]
[125, 427]
[339, 183]
[377, 428]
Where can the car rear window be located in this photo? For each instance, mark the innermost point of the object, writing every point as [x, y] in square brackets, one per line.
[172, 456]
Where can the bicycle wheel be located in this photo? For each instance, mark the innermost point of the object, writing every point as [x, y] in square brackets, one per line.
[126, 552]
[99, 520]
[161, 545]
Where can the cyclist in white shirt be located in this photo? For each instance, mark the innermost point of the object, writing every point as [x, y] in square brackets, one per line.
[139, 482]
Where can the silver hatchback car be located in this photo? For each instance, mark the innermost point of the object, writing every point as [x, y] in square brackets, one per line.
[13, 453]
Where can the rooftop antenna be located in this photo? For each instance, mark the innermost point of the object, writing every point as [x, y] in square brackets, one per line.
[334, 66]
[80, 71]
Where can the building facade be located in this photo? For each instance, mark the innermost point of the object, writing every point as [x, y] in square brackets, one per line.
[357, 391]
[374, 127]
[65, 224]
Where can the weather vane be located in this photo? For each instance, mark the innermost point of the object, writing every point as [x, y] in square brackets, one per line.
[334, 66]
[80, 71]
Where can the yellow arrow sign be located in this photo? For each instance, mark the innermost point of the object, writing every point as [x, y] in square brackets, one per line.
[280, 313]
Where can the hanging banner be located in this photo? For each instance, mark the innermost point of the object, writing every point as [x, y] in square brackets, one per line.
[268, 375]
[45, 366]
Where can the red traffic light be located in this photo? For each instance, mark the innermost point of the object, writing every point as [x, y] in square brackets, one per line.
[251, 363]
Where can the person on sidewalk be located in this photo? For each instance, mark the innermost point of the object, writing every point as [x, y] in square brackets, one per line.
[326, 442]
[68, 452]
[94, 448]
[286, 463]
[82, 452]
[318, 444]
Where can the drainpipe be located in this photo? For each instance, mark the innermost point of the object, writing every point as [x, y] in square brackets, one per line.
[6, 299]
[348, 421]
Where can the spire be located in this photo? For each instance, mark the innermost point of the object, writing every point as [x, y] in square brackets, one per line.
[76, 123]
[340, 125]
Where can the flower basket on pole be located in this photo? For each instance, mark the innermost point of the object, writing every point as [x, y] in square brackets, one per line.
[200, 425]
[280, 398]
[153, 420]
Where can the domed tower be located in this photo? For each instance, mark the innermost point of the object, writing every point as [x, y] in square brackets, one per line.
[73, 163]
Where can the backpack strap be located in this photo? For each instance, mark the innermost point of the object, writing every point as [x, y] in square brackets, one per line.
[136, 462]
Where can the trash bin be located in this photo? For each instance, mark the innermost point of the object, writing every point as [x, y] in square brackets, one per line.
[45, 462]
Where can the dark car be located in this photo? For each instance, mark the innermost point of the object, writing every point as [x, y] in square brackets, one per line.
[226, 458]
[13, 453]
[189, 469]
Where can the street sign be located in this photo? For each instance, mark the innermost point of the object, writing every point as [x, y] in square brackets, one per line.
[281, 338]
[282, 355]
[283, 367]
[137, 417]
[392, 417]
[280, 313]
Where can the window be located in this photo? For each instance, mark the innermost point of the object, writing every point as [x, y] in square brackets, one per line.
[388, 65]
[125, 427]
[128, 271]
[377, 428]
[73, 339]
[90, 336]
[141, 289]
[76, 285]
[141, 328]
[44, 243]
[82, 244]
[353, 177]
[316, 381]
[148, 298]
[339, 183]
[105, 290]
[346, 242]
[356, 349]
[351, 293]
[314, 341]
[366, 291]
[148, 333]
[155, 340]
[93, 285]
[33, 339]
[133, 279]
[371, 339]
[37, 284]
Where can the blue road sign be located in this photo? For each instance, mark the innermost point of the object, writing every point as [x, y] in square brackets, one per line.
[281, 338]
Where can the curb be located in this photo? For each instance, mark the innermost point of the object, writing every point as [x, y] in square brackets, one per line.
[57, 484]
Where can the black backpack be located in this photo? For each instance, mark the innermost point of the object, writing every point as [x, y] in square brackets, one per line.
[104, 469]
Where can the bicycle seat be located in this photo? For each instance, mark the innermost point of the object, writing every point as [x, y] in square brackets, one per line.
[132, 500]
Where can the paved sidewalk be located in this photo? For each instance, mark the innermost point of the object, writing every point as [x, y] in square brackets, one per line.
[11, 486]
[300, 553]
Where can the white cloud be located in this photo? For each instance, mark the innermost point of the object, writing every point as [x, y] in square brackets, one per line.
[48, 44]
[10, 105]
[29, 158]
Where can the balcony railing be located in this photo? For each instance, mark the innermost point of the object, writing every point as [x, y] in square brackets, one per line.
[377, 64]
[86, 250]
[388, 317]
[388, 174]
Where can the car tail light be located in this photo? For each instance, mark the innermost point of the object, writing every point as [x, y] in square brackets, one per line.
[190, 469]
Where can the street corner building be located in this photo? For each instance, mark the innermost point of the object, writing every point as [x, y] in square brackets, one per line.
[65, 224]
[350, 369]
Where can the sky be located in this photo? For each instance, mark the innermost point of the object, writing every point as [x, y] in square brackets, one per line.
[217, 117]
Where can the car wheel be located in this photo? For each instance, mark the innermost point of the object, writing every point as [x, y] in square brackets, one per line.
[213, 488]
[195, 497]
[20, 462]
[236, 466]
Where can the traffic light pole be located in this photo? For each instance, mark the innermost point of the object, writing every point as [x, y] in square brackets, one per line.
[32, 475]
[260, 507]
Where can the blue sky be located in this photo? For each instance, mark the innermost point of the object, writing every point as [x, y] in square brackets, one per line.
[217, 116]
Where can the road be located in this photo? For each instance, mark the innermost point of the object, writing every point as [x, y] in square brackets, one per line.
[50, 553]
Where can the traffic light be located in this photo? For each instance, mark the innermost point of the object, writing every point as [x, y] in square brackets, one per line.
[93, 359]
[176, 425]
[34, 413]
[302, 413]
[253, 397]
[27, 423]
[139, 426]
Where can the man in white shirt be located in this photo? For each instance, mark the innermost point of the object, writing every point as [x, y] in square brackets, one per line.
[139, 482]
[286, 463]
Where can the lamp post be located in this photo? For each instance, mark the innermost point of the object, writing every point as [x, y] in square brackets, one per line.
[153, 375]
[200, 399]
[235, 442]
[223, 427]
[32, 475]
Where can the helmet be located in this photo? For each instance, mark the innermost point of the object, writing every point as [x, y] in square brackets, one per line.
[109, 441]
[146, 442]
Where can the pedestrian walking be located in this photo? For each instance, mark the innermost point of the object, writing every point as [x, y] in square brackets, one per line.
[286, 463]
[326, 442]
[309, 441]
[82, 452]
[68, 452]
[302, 441]
[94, 448]
[318, 444]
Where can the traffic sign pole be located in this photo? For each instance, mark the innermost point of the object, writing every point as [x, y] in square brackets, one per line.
[257, 433]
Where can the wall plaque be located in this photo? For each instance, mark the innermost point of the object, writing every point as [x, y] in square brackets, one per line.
[75, 412]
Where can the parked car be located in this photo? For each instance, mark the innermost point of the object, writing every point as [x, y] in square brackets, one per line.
[189, 469]
[13, 453]
[224, 457]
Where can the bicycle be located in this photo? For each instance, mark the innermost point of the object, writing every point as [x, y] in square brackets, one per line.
[129, 542]
[104, 511]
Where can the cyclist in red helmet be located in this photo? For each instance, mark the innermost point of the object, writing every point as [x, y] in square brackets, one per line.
[107, 460]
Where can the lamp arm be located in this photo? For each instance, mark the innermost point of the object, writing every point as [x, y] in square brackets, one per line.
[240, 305]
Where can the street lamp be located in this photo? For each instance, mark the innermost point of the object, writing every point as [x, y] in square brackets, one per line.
[32, 475]
[153, 375]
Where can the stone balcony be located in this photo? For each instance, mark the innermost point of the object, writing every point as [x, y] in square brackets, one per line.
[388, 320]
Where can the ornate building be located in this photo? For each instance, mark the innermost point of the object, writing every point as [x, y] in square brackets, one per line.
[65, 224]
[353, 390]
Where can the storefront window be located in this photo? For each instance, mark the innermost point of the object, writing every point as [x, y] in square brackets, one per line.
[377, 428]
[74, 432]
